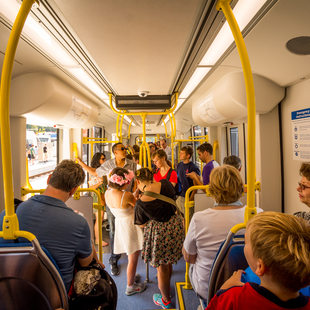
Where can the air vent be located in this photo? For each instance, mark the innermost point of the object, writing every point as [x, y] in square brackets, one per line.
[299, 45]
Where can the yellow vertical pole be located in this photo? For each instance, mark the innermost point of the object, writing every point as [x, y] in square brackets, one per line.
[129, 127]
[165, 128]
[120, 129]
[224, 5]
[171, 140]
[144, 139]
[10, 222]
[117, 121]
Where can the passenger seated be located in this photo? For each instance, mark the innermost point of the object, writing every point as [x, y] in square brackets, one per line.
[58, 228]
[304, 189]
[209, 228]
[234, 161]
[277, 248]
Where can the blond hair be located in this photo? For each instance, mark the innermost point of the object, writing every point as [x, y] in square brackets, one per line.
[226, 185]
[282, 242]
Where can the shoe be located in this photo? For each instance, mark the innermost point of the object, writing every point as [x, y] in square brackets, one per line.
[114, 269]
[135, 288]
[158, 300]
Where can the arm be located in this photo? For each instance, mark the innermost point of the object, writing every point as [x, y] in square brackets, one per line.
[189, 245]
[188, 257]
[84, 262]
[90, 170]
[195, 177]
[234, 280]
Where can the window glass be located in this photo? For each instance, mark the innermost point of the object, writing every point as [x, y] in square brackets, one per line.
[234, 141]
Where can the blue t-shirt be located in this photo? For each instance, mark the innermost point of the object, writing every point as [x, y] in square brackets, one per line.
[206, 171]
[183, 180]
[59, 229]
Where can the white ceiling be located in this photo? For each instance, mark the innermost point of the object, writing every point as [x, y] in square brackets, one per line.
[142, 44]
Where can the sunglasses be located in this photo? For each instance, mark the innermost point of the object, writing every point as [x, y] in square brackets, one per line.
[302, 186]
[121, 149]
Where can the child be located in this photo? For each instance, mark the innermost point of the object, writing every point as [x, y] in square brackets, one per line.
[277, 248]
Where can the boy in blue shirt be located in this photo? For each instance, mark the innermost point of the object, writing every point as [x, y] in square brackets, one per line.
[185, 182]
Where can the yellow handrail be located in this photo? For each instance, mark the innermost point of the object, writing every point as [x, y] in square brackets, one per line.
[129, 127]
[215, 148]
[10, 222]
[96, 205]
[224, 5]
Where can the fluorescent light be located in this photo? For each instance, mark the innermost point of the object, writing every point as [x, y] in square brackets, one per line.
[85, 79]
[38, 34]
[41, 37]
[193, 82]
[180, 102]
[129, 120]
[244, 11]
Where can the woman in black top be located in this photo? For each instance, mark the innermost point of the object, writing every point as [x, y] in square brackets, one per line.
[163, 231]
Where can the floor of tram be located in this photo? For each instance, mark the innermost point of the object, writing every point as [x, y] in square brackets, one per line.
[144, 301]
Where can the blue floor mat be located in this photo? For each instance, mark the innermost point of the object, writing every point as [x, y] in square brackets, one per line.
[143, 301]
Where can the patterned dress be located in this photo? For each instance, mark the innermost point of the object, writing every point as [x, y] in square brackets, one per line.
[164, 231]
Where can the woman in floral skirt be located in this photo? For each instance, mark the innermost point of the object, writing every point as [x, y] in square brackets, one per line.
[163, 231]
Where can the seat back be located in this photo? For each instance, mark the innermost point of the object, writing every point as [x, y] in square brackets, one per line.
[84, 205]
[202, 201]
[28, 279]
[230, 258]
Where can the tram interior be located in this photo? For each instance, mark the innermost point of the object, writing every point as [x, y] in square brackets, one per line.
[73, 53]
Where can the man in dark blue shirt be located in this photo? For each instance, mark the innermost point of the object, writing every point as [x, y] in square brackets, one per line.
[58, 228]
[184, 167]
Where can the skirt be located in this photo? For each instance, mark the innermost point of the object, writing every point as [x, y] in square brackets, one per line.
[163, 241]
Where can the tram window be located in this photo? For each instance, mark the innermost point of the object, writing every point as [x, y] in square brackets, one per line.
[197, 131]
[97, 133]
[150, 139]
[234, 141]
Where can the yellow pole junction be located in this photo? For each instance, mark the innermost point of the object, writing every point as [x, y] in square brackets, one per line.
[10, 222]
[144, 157]
[224, 5]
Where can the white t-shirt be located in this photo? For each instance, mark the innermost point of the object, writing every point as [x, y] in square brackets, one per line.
[207, 230]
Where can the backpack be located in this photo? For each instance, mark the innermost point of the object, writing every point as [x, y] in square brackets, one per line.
[177, 187]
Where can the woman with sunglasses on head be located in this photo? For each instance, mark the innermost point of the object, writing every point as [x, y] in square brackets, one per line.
[128, 237]
[100, 184]
[163, 230]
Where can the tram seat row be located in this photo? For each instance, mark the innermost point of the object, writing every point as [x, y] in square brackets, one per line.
[29, 278]
[203, 202]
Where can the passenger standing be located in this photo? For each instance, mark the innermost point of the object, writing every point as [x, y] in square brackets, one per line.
[277, 248]
[128, 237]
[166, 148]
[164, 171]
[100, 184]
[205, 153]
[45, 153]
[184, 167]
[209, 228]
[163, 231]
[64, 233]
[121, 161]
[304, 189]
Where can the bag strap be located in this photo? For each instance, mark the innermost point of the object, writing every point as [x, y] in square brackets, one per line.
[169, 174]
[160, 197]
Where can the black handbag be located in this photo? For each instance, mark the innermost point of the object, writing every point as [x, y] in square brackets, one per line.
[102, 294]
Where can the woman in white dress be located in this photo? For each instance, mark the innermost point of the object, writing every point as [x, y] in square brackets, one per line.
[128, 237]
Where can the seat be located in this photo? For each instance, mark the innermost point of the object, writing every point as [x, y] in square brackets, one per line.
[29, 279]
[230, 258]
